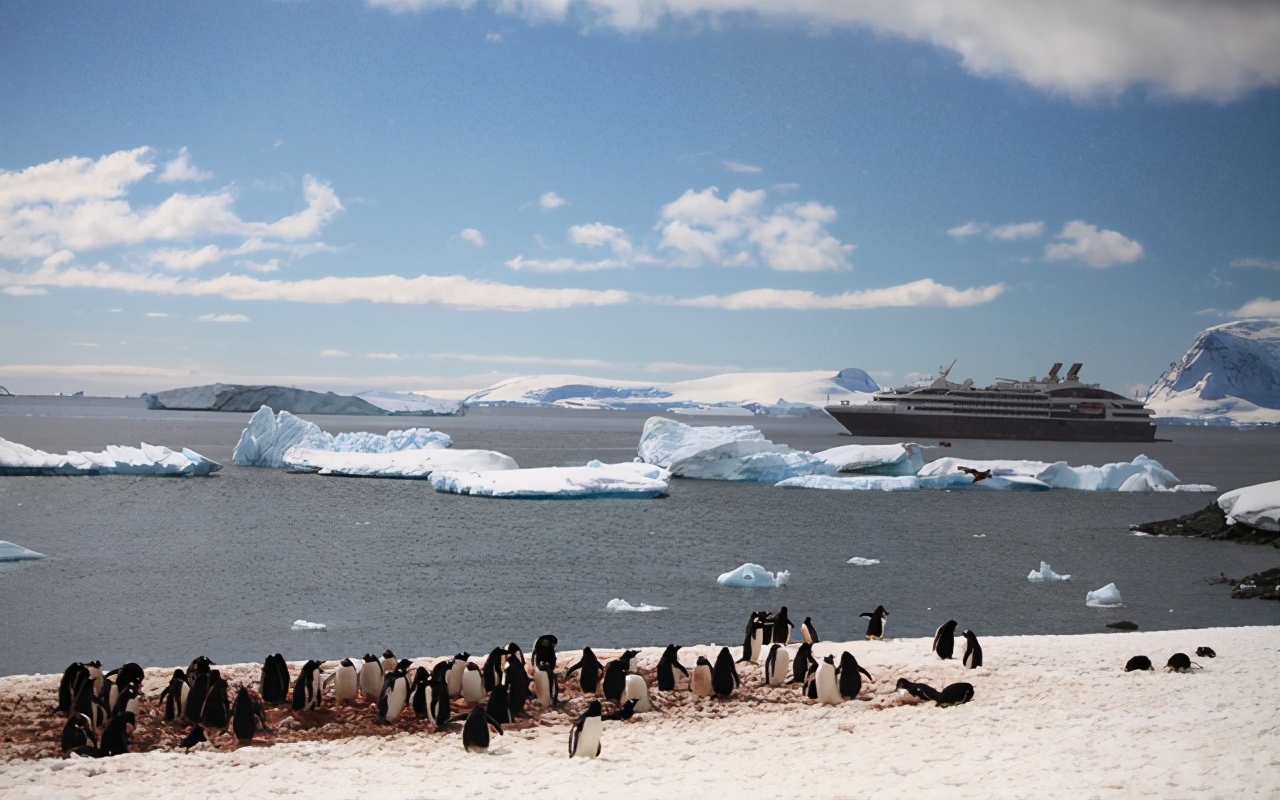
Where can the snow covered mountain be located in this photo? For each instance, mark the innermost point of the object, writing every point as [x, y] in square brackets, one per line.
[1230, 376]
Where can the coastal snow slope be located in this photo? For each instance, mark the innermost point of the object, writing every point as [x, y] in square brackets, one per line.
[1230, 376]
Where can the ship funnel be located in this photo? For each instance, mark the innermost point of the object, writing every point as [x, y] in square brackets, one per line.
[1073, 374]
[1052, 377]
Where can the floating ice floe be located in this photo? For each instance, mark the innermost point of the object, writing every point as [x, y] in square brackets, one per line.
[16, 552]
[18, 459]
[1140, 475]
[874, 459]
[1046, 573]
[1106, 597]
[269, 436]
[396, 464]
[618, 604]
[303, 625]
[1257, 506]
[863, 562]
[754, 575]
[733, 453]
[631, 479]
[864, 483]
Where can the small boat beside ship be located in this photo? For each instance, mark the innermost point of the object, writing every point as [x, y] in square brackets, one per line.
[1048, 408]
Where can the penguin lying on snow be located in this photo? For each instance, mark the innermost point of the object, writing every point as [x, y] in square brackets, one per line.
[1205, 652]
[623, 714]
[953, 695]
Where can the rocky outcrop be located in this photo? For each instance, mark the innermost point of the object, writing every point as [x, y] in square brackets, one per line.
[1210, 523]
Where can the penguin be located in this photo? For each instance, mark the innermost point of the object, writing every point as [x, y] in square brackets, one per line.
[475, 731]
[724, 675]
[472, 683]
[95, 674]
[850, 673]
[667, 665]
[545, 687]
[875, 624]
[86, 702]
[498, 706]
[972, 650]
[584, 737]
[246, 715]
[1205, 652]
[346, 682]
[370, 677]
[514, 651]
[438, 697]
[306, 689]
[174, 696]
[127, 698]
[920, 691]
[215, 716]
[130, 673]
[1138, 663]
[198, 678]
[115, 739]
[455, 674]
[394, 696]
[545, 650]
[944, 639]
[823, 685]
[78, 732]
[638, 690]
[623, 714]
[782, 627]
[420, 693]
[74, 678]
[700, 680]
[518, 681]
[1178, 662]
[809, 633]
[590, 667]
[615, 676]
[753, 644]
[273, 687]
[776, 665]
[955, 694]
[194, 737]
[801, 664]
[388, 661]
[493, 666]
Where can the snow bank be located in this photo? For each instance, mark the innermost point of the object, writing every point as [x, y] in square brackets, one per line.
[1046, 574]
[618, 604]
[14, 552]
[1257, 506]
[1106, 597]
[396, 464]
[753, 576]
[303, 625]
[631, 479]
[269, 436]
[875, 459]
[18, 459]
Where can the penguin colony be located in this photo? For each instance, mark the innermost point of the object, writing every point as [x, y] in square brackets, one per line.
[102, 710]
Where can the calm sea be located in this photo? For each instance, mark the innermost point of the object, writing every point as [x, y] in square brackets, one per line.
[161, 570]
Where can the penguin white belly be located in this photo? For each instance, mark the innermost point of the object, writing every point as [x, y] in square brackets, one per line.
[589, 737]
[542, 688]
[397, 699]
[182, 700]
[757, 645]
[700, 681]
[636, 689]
[472, 686]
[454, 679]
[828, 688]
[781, 663]
[345, 684]
[371, 679]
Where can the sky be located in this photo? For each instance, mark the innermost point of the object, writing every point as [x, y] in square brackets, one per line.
[436, 195]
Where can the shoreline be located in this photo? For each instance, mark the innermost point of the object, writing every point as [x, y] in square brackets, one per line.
[1052, 716]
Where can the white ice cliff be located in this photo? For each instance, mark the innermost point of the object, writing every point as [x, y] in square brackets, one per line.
[631, 479]
[18, 459]
[269, 436]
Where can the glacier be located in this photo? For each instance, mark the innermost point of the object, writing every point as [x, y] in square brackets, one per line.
[419, 463]
[753, 576]
[1229, 376]
[1046, 574]
[16, 552]
[1257, 506]
[632, 479]
[18, 459]
[412, 404]
[1106, 597]
[269, 436]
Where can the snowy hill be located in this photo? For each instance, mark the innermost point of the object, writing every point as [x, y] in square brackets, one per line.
[743, 393]
[1230, 376]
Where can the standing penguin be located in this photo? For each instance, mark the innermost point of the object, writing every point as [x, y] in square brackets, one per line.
[246, 715]
[944, 639]
[306, 689]
[388, 661]
[667, 665]
[493, 666]
[438, 696]
[75, 678]
[972, 650]
[216, 714]
[273, 685]
[638, 690]
[809, 633]
[545, 686]
[370, 677]
[700, 680]
[115, 739]
[498, 706]
[801, 664]
[823, 685]
[472, 683]
[615, 675]
[174, 696]
[782, 627]
[590, 667]
[346, 682]
[518, 682]
[753, 644]
[851, 673]
[475, 731]
[198, 678]
[776, 665]
[78, 732]
[545, 650]
[394, 696]
[584, 738]
[420, 693]
[724, 675]
[875, 624]
[456, 669]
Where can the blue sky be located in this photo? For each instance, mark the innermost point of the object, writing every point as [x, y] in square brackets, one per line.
[423, 194]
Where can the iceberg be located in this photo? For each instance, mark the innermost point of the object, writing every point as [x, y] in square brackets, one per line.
[664, 440]
[882, 483]
[733, 453]
[15, 552]
[240, 398]
[1140, 475]
[1106, 597]
[1257, 506]
[632, 479]
[397, 463]
[18, 459]
[303, 625]
[411, 404]
[1046, 573]
[269, 436]
[863, 562]
[753, 576]
[875, 459]
[618, 604]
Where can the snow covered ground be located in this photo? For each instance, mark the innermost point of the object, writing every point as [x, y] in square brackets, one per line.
[1052, 717]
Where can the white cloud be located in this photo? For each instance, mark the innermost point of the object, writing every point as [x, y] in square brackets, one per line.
[1097, 248]
[924, 292]
[493, 37]
[1258, 307]
[1008, 232]
[785, 188]
[1259, 263]
[735, 166]
[222, 318]
[157, 314]
[181, 169]
[71, 180]
[551, 200]
[596, 234]
[1083, 49]
[966, 230]
[334, 354]
[270, 265]
[384, 356]
[562, 264]
[186, 259]
[472, 235]
[24, 291]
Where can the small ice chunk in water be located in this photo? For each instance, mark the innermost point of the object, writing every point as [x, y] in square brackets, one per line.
[303, 625]
[16, 552]
[863, 562]
[752, 575]
[1046, 573]
[618, 604]
[1106, 597]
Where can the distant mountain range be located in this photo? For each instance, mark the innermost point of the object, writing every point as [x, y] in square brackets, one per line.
[1230, 376]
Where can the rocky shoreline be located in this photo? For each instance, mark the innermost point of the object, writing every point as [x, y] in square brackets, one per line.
[1210, 523]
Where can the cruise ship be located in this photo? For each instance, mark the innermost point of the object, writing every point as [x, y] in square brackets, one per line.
[1052, 408]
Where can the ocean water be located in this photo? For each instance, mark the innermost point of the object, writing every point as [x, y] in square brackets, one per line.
[161, 570]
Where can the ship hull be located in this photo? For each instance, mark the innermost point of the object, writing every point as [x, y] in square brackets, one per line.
[918, 427]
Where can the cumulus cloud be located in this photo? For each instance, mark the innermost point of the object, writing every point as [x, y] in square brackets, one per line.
[551, 200]
[1097, 248]
[1007, 233]
[472, 235]
[1083, 49]
[1257, 263]
[1258, 307]
[597, 234]
[182, 169]
[222, 318]
[735, 166]
[924, 292]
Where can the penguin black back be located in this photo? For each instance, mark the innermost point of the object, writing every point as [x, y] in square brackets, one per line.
[802, 664]
[246, 715]
[808, 633]
[624, 713]
[194, 737]
[517, 681]
[74, 678]
[1138, 663]
[875, 622]
[115, 739]
[920, 691]
[419, 688]
[497, 705]
[782, 626]
[724, 674]
[850, 676]
[493, 665]
[615, 679]
[972, 657]
[944, 639]
[545, 650]
[78, 732]
[667, 666]
[172, 695]
[588, 668]
[274, 683]
[475, 731]
[1178, 662]
[955, 694]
